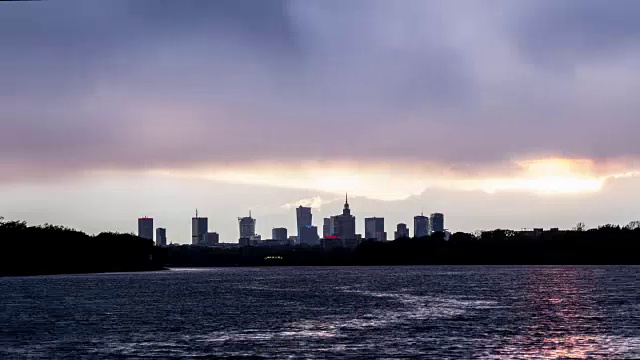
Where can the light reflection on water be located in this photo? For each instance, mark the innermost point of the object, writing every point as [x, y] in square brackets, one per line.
[454, 312]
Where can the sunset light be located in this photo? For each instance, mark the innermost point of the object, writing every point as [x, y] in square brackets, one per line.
[549, 176]
[425, 179]
[552, 176]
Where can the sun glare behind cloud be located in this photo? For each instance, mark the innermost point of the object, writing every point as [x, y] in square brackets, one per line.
[552, 176]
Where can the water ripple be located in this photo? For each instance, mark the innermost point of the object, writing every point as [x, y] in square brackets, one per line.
[393, 312]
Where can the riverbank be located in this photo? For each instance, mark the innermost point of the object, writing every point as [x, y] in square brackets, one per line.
[80, 272]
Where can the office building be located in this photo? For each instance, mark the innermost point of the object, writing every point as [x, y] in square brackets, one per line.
[255, 238]
[420, 225]
[373, 226]
[161, 237]
[279, 234]
[199, 229]
[344, 225]
[326, 228]
[402, 231]
[213, 238]
[145, 228]
[247, 226]
[303, 218]
[437, 223]
[309, 236]
[381, 236]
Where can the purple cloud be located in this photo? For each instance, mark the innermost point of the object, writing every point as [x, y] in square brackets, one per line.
[162, 84]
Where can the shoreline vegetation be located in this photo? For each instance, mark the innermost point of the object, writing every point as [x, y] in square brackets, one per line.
[606, 245]
[50, 249]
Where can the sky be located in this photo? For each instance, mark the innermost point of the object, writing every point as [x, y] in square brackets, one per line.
[499, 113]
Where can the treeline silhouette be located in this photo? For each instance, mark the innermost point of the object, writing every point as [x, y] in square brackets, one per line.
[609, 244]
[51, 249]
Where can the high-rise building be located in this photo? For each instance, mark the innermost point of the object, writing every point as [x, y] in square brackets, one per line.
[161, 237]
[279, 234]
[247, 226]
[199, 229]
[326, 228]
[145, 228]
[437, 222]
[344, 225]
[420, 225]
[373, 226]
[381, 236]
[303, 218]
[309, 236]
[402, 231]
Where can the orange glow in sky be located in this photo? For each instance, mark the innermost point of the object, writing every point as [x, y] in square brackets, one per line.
[398, 181]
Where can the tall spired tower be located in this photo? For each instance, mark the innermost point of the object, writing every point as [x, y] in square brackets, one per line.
[344, 225]
[346, 211]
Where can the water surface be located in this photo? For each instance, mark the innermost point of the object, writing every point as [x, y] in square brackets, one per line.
[435, 312]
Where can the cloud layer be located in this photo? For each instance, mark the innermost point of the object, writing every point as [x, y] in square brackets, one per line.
[461, 86]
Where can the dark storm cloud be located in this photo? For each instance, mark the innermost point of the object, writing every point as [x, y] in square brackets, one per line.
[50, 42]
[59, 52]
[262, 23]
[47, 45]
[570, 30]
[98, 83]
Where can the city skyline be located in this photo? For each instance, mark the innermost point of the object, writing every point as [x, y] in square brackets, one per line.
[374, 228]
[320, 178]
[511, 114]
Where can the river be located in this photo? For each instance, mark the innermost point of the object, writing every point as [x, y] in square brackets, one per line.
[326, 312]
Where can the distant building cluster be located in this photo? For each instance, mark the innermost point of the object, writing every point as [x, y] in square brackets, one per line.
[337, 231]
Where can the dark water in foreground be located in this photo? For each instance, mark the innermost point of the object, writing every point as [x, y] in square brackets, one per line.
[432, 312]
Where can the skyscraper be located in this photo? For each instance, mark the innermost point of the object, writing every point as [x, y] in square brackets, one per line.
[161, 237]
[402, 231]
[303, 218]
[437, 222]
[247, 226]
[199, 228]
[279, 234]
[145, 228]
[326, 228]
[420, 226]
[344, 225]
[373, 226]
[309, 235]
